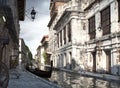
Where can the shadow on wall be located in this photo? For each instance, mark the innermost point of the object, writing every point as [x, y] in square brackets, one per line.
[73, 66]
[115, 70]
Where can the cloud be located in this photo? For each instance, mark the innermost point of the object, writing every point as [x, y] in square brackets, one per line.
[33, 31]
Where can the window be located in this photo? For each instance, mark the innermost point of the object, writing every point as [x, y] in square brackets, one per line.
[69, 32]
[119, 10]
[118, 56]
[61, 37]
[105, 20]
[65, 35]
[65, 60]
[58, 39]
[108, 61]
[92, 32]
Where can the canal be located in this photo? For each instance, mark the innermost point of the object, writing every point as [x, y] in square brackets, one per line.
[70, 80]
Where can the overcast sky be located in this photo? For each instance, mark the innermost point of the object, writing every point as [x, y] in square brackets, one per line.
[33, 31]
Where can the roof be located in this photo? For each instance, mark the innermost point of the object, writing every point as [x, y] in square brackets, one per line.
[52, 19]
[44, 38]
[91, 4]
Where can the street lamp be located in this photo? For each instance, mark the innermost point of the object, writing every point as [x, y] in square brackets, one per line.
[33, 13]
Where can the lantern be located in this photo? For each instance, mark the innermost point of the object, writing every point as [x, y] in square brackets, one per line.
[33, 13]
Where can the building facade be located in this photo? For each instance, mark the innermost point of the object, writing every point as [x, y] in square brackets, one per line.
[84, 35]
[23, 52]
[42, 56]
[39, 55]
[67, 38]
[10, 14]
[102, 47]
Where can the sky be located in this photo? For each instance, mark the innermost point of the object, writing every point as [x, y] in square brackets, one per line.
[33, 31]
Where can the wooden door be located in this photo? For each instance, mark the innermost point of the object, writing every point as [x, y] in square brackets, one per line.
[108, 61]
[94, 61]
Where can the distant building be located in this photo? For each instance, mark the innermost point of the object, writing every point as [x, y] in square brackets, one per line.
[23, 51]
[11, 11]
[39, 57]
[42, 51]
[46, 53]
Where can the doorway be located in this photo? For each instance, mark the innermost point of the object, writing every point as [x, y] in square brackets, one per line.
[108, 61]
[94, 61]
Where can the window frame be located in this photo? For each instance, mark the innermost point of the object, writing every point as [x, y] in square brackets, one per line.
[58, 39]
[61, 38]
[69, 32]
[64, 29]
[92, 29]
[105, 21]
[118, 10]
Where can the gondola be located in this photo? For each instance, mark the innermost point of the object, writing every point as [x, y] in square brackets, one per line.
[41, 73]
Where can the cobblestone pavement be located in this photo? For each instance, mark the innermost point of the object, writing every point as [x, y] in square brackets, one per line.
[25, 79]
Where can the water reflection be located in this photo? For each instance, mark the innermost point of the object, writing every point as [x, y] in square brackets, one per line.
[69, 80]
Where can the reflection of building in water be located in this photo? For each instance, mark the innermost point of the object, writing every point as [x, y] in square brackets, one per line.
[84, 35]
[68, 80]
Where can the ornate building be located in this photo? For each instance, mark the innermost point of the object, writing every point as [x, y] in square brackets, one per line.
[84, 35]
[64, 34]
[102, 45]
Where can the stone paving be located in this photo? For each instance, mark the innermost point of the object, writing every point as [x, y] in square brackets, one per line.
[25, 79]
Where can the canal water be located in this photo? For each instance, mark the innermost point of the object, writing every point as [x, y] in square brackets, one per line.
[70, 80]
